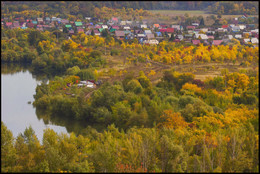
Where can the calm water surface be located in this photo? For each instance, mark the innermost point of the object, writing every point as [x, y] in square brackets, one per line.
[17, 89]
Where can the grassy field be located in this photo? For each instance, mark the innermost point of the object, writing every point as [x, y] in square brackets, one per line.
[177, 12]
[191, 13]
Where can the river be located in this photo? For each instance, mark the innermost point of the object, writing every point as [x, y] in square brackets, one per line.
[17, 89]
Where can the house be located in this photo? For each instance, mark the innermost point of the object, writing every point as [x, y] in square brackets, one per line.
[115, 20]
[152, 42]
[88, 18]
[195, 24]
[204, 30]
[242, 27]
[127, 32]
[201, 36]
[177, 27]
[211, 37]
[78, 24]
[16, 24]
[196, 42]
[104, 26]
[100, 29]
[97, 26]
[238, 36]
[180, 37]
[156, 25]
[115, 27]
[150, 36]
[254, 40]
[53, 19]
[163, 30]
[230, 37]
[190, 27]
[129, 22]
[123, 23]
[147, 32]
[97, 33]
[225, 26]
[159, 34]
[80, 30]
[169, 30]
[141, 35]
[40, 20]
[88, 32]
[126, 28]
[34, 22]
[235, 28]
[246, 40]
[64, 21]
[217, 42]
[30, 25]
[8, 24]
[143, 26]
[47, 19]
[90, 83]
[120, 34]
[71, 32]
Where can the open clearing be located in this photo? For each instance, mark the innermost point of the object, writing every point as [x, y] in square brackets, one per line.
[191, 13]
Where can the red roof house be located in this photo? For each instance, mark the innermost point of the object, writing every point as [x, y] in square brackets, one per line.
[217, 42]
[169, 30]
[196, 42]
[163, 30]
[224, 26]
[190, 27]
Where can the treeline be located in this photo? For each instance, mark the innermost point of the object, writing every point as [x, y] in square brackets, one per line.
[235, 8]
[212, 143]
[53, 51]
[135, 102]
[179, 125]
[85, 8]
[48, 54]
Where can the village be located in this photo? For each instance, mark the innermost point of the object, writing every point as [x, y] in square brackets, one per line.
[145, 31]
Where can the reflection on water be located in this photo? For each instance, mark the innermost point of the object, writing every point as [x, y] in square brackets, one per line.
[78, 127]
[17, 89]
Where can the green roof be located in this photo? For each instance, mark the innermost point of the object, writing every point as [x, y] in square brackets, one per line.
[78, 23]
[68, 26]
[112, 30]
[100, 23]
[101, 29]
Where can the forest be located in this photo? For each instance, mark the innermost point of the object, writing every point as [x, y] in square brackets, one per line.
[86, 7]
[156, 114]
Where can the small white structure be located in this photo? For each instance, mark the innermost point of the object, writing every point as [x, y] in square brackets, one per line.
[242, 27]
[83, 82]
[104, 26]
[126, 28]
[246, 40]
[230, 37]
[254, 40]
[143, 26]
[204, 30]
[140, 35]
[238, 36]
[80, 85]
[152, 42]
[147, 32]
[123, 23]
[195, 24]
[177, 27]
[202, 36]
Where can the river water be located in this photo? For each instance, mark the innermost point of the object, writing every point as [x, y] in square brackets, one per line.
[17, 89]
